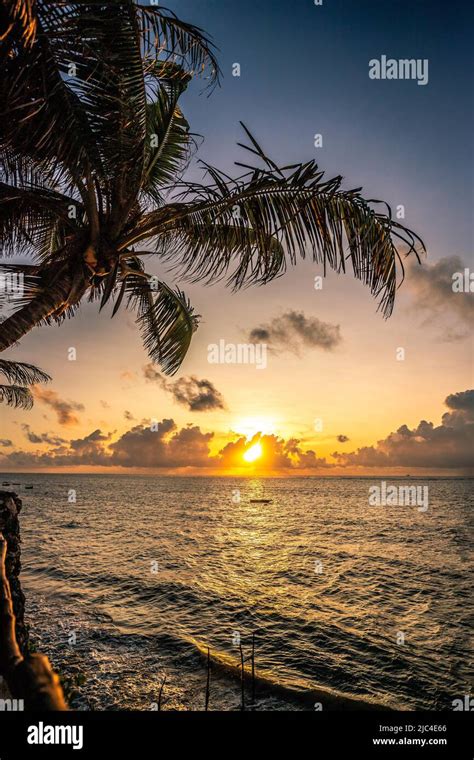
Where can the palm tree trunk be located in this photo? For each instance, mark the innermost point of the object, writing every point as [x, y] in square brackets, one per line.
[42, 306]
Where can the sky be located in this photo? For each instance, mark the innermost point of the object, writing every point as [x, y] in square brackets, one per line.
[344, 391]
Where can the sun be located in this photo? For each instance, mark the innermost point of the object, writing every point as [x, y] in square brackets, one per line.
[253, 453]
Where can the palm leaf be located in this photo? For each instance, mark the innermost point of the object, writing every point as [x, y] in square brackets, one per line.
[164, 35]
[43, 119]
[295, 206]
[17, 22]
[168, 141]
[75, 100]
[167, 323]
[21, 373]
[31, 216]
[260, 257]
[16, 395]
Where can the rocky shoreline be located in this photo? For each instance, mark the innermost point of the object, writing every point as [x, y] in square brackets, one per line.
[10, 508]
[28, 676]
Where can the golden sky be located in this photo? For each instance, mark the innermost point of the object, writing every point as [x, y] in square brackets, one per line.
[335, 384]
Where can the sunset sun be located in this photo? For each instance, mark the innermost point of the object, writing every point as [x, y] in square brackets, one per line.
[253, 453]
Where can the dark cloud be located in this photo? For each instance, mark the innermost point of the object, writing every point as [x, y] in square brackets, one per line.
[165, 446]
[64, 409]
[53, 440]
[5, 442]
[92, 439]
[128, 415]
[462, 409]
[260, 335]
[464, 401]
[447, 446]
[294, 331]
[342, 438]
[89, 451]
[196, 395]
[431, 286]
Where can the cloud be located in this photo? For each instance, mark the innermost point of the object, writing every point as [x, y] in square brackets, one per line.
[92, 439]
[446, 446]
[128, 415]
[129, 376]
[278, 454]
[293, 331]
[462, 409]
[464, 401]
[53, 440]
[431, 286]
[196, 395]
[151, 445]
[165, 446]
[342, 438]
[5, 442]
[89, 451]
[64, 409]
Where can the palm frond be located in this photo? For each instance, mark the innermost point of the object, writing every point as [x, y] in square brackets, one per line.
[17, 21]
[168, 143]
[164, 35]
[295, 206]
[167, 322]
[102, 41]
[16, 396]
[260, 257]
[22, 373]
[43, 120]
[30, 217]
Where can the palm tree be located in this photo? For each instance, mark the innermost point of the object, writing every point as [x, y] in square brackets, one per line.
[20, 375]
[93, 147]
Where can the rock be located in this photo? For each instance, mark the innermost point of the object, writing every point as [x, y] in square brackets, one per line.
[10, 507]
[4, 691]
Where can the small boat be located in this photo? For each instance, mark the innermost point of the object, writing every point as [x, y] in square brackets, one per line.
[261, 501]
[6, 483]
[28, 486]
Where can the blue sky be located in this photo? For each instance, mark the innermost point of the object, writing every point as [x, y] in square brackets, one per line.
[304, 70]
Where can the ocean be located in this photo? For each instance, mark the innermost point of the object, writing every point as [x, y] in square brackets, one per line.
[129, 581]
